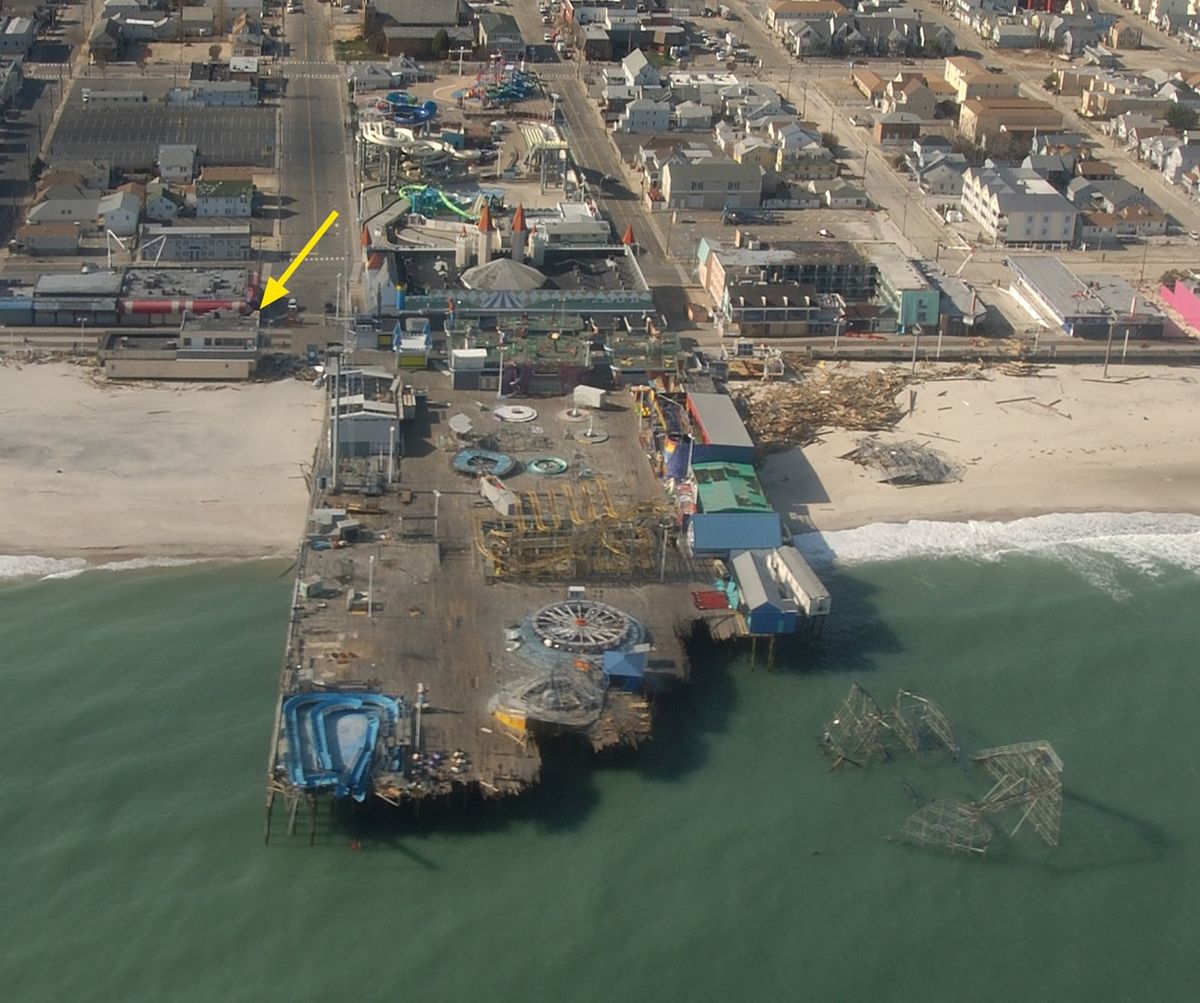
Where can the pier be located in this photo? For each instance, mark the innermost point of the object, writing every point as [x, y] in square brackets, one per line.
[412, 583]
[479, 574]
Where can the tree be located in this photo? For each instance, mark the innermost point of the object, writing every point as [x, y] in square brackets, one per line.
[1181, 118]
[1050, 83]
[214, 53]
[441, 42]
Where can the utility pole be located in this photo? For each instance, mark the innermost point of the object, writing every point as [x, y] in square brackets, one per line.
[370, 586]
[437, 498]
[336, 352]
[1112, 323]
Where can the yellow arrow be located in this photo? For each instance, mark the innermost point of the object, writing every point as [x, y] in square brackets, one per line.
[276, 287]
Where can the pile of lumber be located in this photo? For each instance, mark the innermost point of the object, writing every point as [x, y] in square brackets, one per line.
[786, 414]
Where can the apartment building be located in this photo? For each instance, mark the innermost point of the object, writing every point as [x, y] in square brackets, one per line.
[1015, 205]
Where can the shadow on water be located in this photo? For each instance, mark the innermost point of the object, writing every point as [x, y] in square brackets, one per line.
[686, 718]
[567, 792]
[851, 640]
[561, 802]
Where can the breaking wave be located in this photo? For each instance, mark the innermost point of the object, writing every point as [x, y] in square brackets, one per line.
[1144, 541]
[15, 566]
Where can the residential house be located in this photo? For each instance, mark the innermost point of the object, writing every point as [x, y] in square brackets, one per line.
[689, 116]
[871, 85]
[119, 213]
[897, 128]
[638, 71]
[177, 162]
[838, 193]
[1164, 13]
[1181, 159]
[911, 96]
[943, 174]
[1057, 168]
[710, 182]
[224, 198]
[801, 154]
[163, 204]
[1013, 205]
[781, 14]
[644, 115]
[1095, 170]
[1014, 35]
[81, 211]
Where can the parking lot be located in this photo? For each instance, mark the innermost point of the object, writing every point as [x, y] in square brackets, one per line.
[129, 135]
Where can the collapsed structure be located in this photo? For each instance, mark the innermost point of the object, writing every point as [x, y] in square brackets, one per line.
[1027, 777]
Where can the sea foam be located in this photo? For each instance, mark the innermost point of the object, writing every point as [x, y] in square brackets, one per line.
[1145, 541]
[14, 566]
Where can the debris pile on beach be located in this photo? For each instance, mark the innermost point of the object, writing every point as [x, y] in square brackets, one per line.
[789, 413]
[904, 462]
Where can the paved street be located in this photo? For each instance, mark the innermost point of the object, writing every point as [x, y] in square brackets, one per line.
[314, 177]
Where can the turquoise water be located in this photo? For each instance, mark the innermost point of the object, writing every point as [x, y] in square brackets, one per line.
[726, 862]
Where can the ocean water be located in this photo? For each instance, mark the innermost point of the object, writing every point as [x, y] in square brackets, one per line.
[725, 862]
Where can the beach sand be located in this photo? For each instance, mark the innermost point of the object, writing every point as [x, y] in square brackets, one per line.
[117, 471]
[1116, 447]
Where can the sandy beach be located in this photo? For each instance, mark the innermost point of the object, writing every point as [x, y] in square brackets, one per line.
[117, 471]
[1102, 447]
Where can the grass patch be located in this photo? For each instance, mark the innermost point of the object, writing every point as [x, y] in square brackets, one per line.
[355, 50]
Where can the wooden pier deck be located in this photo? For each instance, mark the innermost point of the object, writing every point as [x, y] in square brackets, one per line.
[439, 614]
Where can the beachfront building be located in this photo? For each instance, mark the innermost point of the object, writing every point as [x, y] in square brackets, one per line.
[1080, 308]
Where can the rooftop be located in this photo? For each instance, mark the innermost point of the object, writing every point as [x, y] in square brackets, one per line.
[1070, 296]
[152, 283]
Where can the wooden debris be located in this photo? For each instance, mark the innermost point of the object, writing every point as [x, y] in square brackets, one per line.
[793, 413]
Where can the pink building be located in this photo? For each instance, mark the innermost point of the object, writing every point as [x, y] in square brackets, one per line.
[1184, 299]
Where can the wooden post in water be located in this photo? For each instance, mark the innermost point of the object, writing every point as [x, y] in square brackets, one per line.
[293, 809]
[753, 651]
[312, 819]
[267, 820]
[771, 653]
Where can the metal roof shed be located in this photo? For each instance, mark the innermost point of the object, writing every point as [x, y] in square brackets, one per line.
[768, 610]
[722, 436]
[721, 532]
[624, 669]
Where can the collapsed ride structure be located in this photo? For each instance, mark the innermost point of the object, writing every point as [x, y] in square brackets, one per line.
[1027, 777]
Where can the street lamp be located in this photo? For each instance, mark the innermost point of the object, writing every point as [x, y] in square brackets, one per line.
[916, 332]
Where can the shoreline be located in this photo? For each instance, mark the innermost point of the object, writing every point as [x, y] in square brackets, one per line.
[200, 472]
[105, 473]
[1065, 445]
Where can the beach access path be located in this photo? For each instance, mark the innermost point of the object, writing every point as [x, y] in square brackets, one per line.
[1066, 441]
[102, 470]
